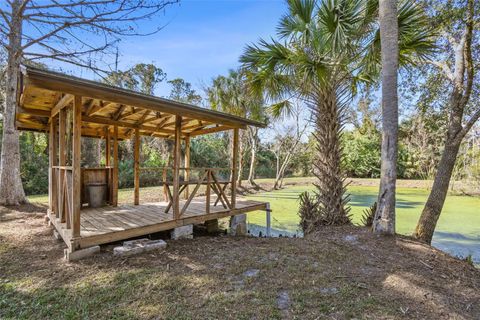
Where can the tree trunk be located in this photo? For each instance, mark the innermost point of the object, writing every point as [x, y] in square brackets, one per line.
[463, 79]
[240, 158]
[332, 201]
[253, 155]
[384, 221]
[11, 188]
[431, 212]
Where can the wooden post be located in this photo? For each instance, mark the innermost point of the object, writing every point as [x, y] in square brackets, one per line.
[62, 160]
[234, 168]
[207, 193]
[52, 159]
[107, 146]
[187, 165]
[76, 168]
[115, 167]
[136, 167]
[107, 164]
[176, 165]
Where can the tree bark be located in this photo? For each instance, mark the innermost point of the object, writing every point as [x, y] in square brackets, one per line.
[11, 188]
[332, 200]
[384, 221]
[433, 207]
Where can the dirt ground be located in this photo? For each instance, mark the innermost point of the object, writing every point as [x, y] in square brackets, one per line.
[339, 273]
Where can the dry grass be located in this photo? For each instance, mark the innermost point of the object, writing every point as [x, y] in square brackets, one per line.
[340, 273]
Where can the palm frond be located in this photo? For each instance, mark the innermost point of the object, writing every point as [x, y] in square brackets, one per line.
[280, 109]
[299, 19]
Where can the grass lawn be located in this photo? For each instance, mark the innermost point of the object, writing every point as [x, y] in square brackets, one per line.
[458, 230]
[339, 273]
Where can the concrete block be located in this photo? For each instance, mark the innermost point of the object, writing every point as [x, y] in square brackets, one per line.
[80, 254]
[183, 232]
[138, 246]
[136, 243]
[238, 225]
[212, 226]
[57, 235]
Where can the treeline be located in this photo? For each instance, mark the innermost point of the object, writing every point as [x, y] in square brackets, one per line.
[419, 154]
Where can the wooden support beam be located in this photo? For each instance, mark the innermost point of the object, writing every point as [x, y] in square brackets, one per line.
[100, 120]
[115, 167]
[76, 171]
[52, 159]
[209, 130]
[234, 168]
[187, 165]
[116, 116]
[64, 101]
[136, 168]
[97, 108]
[62, 161]
[176, 167]
[133, 111]
[107, 146]
[143, 117]
[89, 105]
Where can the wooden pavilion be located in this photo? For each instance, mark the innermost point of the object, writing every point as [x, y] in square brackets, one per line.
[69, 107]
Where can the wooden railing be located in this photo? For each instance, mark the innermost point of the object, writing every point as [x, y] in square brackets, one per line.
[207, 177]
[63, 194]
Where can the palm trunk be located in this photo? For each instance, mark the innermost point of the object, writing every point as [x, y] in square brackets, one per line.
[327, 164]
[433, 207]
[384, 221]
[11, 188]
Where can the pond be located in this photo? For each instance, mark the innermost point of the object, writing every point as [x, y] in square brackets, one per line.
[458, 230]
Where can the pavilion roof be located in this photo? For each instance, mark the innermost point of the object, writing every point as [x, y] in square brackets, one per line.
[43, 93]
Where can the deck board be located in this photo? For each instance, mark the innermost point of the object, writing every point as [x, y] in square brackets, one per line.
[107, 224]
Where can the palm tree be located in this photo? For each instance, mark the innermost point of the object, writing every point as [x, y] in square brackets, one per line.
[324, 49]
[384, 221]
[232, 94]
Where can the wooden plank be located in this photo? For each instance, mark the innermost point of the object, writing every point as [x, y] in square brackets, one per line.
[76, 159]
[187, 166]
[62, 161]
[176, 166]
[115, 167]
[234, 168]
[100, 120]
[101, 105]
[64, 101]
[52, 159]
[190, 198]
[107, 146]
[136, 166]
[209, 130]
[207, 202]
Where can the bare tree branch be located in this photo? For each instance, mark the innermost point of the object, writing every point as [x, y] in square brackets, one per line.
[443, 66]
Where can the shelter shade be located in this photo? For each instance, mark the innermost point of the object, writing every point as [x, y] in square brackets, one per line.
[43, 94]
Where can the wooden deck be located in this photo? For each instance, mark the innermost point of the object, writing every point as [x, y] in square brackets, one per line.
[109, 224]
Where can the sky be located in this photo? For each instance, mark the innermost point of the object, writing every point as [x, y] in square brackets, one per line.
[202, 39]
